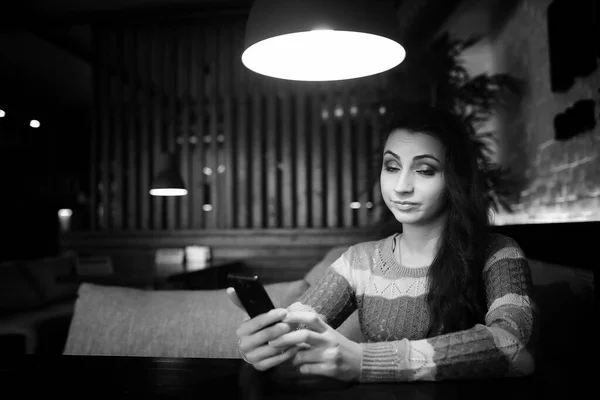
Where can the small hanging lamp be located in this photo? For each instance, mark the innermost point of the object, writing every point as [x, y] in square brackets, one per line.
[168, 181]
[322, 40]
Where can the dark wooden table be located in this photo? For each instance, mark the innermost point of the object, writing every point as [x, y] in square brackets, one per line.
[213, 277]
[108, 377]
[85, 377]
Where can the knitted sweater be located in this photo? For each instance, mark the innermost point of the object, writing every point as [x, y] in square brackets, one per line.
[394, 317]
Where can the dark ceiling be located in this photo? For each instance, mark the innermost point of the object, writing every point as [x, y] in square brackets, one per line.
[45, 45]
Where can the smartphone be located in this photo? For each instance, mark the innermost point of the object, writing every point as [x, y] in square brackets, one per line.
[251, 293]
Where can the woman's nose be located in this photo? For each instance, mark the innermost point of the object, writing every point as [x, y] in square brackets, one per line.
[404, 183]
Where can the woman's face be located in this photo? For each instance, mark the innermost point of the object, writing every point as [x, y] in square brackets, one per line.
[412, 177]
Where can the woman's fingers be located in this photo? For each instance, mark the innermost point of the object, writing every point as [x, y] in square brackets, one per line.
[310, 319]
[298, 338]
[261, 338]
[316, 355]
[234, 298]
[263, 352]
[313, 336]
[260, 322]
[279, 358]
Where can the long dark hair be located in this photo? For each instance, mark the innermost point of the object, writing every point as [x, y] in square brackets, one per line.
[456, 293]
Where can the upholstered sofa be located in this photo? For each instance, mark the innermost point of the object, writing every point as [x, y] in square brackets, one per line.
[184, 323]
[36, 309]
[178, 323]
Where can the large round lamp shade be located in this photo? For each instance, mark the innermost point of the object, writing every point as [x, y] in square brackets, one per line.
[322, 40]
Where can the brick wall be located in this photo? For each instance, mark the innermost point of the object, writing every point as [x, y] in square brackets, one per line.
[561, 179]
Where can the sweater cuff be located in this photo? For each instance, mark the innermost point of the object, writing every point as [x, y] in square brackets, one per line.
[384, 361]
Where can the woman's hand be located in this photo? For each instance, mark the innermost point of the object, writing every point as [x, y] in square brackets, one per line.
[329, 353]
[254, 335]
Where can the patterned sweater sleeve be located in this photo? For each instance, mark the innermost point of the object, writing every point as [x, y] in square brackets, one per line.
[504, 346]
[332, 296]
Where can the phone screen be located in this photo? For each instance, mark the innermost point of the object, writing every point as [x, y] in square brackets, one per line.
[251, 293]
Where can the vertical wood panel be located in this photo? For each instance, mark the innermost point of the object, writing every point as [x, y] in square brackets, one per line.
[197, 84]
[131, 137]
[271, 155]
[240, 80]
[183, 98]
[244, 124]
[220, 94]
[364, 163]
[257, 157]
[226, 175]
[225, 169]
[105, 128]
[318, 190]
[116, 114]
[157, 101]
[332, 157]
[143, 57]
[376, 150]
[348, 162]
[96, 131]
[289, 206]
[169, 119]
[242, 202]
[302, 186]
[214, 100]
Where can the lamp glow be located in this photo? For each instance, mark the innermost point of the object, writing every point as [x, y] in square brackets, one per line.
[168, 192]
[64, 218]
[322, 40]
[323, 55]
[34, 123]
[168, 181]
[65, 213]
[2, 113]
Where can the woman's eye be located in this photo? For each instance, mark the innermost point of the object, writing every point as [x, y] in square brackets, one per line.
[391, 168]
[426, 172]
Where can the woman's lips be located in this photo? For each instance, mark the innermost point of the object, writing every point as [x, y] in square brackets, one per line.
[405, 205]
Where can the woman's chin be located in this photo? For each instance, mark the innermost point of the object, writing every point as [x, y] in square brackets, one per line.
[405, 218]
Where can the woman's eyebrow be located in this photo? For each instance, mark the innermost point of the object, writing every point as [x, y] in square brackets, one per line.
[422, 156]
[415, 158]
[392, 153]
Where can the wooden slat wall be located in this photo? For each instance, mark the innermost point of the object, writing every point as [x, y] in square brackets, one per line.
[169, 71]
[254, 152]
[103, 109]
[130, 137]
[144, 123]
[286, 165]
[156, 64]
[317, 189]
[300, 189]
[183, 131]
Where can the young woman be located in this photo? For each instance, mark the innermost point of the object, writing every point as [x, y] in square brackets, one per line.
[443, 299]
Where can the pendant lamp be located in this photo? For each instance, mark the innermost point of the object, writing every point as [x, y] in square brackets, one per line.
[322, 40]
[168, 181]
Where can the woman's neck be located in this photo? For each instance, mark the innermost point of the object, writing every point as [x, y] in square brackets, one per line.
[422, 240]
